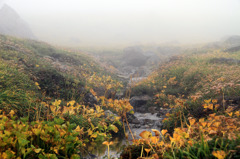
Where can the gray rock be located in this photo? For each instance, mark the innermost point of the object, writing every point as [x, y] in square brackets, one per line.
[90, 99]
[110, 114]
[152, 110]
[138, 101]
[130, 117]
[148, 121]
[140, 109]
[135, 121]
[136, 126]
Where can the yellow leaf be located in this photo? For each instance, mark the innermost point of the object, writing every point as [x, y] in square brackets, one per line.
[90, 132]
[114, 128]
[230, 114]
[164, 131]
[71, 103]
[207, 101]
[147, 150]
[11, 113]
[79, 130]
[191, 121]
[237, 113]
[145, 134]
[94, 135]
[37, 150]
[210, 106]
[205, 106]
[55, 149]
[217, 124]
[157, 133]
[53, 108]
[154, 139]
[36, 131]
[219, 154]
[214, 101]
[201, 120]
[4, 155]
[203, 124]
[160, 143]
[107, 143]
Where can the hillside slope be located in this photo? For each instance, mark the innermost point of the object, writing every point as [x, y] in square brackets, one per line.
[35, 69]
[12, 24]
[197, 97]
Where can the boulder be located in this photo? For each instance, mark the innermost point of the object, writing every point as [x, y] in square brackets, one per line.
[135, 121]
[90, 99]
[131, 118]
[152, 110]
[138, 101]
[140, 109]
[110, 114]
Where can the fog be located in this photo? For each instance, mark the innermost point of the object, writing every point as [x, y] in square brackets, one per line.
[126, 22]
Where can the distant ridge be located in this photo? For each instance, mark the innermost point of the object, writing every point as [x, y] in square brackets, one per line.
[12, 24]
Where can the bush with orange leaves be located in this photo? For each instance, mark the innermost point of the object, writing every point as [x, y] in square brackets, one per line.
[216, 136]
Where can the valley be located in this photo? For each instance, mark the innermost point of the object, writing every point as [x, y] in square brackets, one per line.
[157, 101]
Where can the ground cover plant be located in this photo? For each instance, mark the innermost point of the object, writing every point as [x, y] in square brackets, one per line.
[202, 93]
[53, 104]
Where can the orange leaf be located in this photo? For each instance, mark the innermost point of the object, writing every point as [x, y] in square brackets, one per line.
[147, 150]
[157, 133]
[207, 101]
[164, 131]
[145, 134]
[154, 139]
[192, 121]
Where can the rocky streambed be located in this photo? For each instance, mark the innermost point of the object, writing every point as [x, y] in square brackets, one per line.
[144, 118]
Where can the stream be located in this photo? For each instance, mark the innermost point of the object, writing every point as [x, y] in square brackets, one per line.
[147, 121]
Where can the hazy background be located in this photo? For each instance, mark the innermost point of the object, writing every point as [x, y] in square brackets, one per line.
[127, 22]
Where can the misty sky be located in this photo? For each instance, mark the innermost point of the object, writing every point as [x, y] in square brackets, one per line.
[127, 22]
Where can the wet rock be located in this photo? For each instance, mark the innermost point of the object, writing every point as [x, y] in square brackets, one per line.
[135, 121]
[140, 109]
[110, 114]
[130, 117]
[91, 156]
[158, 123]
[152, 110]
[148, 121]
[139, 101]
[136, 126]
[90, 99]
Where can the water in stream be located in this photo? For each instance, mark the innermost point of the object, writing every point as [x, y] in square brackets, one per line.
[147, 121]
